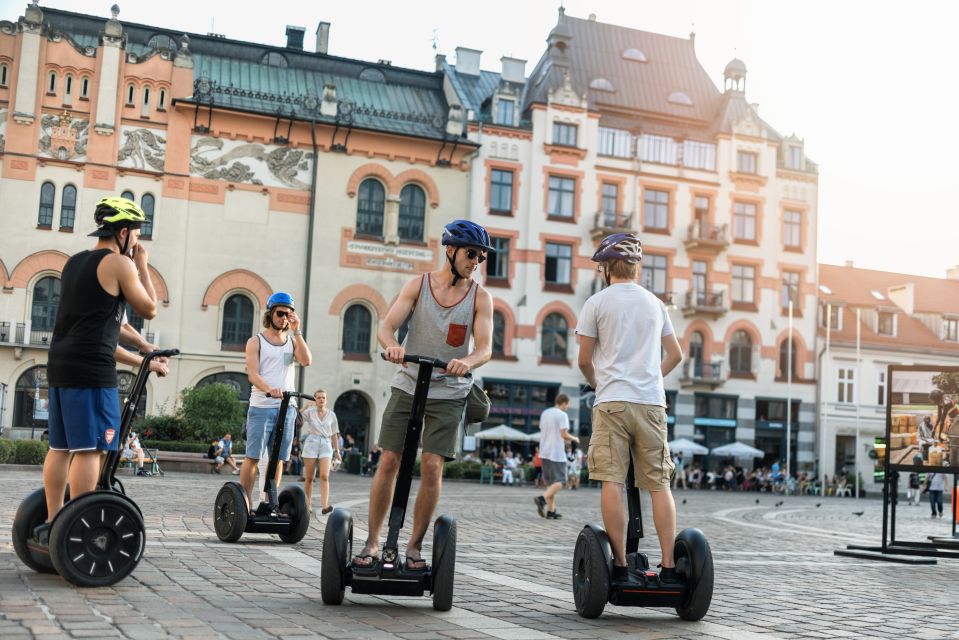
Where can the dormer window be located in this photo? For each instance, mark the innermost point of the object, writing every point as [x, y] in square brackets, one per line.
[564, 134]
[635, 55]
[950, 329]
[602, 84]
[834, 314]
[505, 109]
[886, 325]
[746, 162]
[794, 157]
[678, 97]
[274, 59]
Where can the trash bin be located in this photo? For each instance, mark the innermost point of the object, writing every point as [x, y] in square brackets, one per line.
[353, 462]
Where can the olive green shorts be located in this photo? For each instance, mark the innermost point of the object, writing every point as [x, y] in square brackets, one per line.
[621, 429]
[440, 424]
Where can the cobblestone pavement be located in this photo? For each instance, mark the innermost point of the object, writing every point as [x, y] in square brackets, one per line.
[776, 574]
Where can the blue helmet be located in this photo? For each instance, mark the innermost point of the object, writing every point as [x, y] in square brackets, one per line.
[619, 246]
[464, 233]
[280, 298]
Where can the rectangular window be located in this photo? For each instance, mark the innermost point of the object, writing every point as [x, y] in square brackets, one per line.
[881, 388]
[610, 198]
[559, 263]
[950, 329]
[709, 406]
[794, 157]
[615, 142]
[52, 83]
[655, 209]
[654, 274]
[661, 149]
[790, 290]
[562, 196]
[504, 112]
[564, 134]
[744, 283]
[887, 323]
[497, 263]
[699, 282]
[846, 385]
[744, 221]
[501, 191]
[746, 161]
[792, 229]
[699, 155]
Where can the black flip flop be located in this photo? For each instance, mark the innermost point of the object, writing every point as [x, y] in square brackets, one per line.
[407, 567]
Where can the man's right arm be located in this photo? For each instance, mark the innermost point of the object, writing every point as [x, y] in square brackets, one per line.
[394, 319]
[253, 368]
[674, 354]
[133, 277]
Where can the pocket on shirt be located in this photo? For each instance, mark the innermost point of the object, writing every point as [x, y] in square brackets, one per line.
[456, 335]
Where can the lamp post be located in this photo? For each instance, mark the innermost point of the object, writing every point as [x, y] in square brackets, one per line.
[857, 386]
[789, 390]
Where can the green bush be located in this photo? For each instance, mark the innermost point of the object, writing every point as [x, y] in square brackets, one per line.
[210, 411]
[7, 451]
[29, 451]
[188, 447]
[164, 427]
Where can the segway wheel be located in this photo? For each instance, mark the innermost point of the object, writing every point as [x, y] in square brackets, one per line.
[694, 563]
[444, 562]
[230, 512]
[337, 551]
[97, 539]
[293, 503]
[31, 512]
[591, 580]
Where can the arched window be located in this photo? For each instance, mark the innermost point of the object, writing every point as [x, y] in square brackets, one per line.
[370, 204]
[161, 100]
[131, 92]
[68, 206]
[412, 213]
[48, 193]
[499, 333]
[147, 203]
[784, 360]
[128, 195]
[162, 42]
[52, 82]
[124, 384]
[356, 331]
[237, 322]
[43, 315]
[236, 381]
[274, 59]
[741, 353]
[30, 399]
[555, 337]
[697, 353]
[84, 88]
[4, 70]
[68, 89]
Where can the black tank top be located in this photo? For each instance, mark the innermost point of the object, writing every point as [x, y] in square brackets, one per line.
[82, 351]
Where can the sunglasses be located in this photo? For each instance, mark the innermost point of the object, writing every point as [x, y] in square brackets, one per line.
[282, 314]
[473, 253]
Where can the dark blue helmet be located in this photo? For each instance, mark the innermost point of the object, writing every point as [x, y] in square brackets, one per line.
[464, 233]
[280, 298]
[619, 246]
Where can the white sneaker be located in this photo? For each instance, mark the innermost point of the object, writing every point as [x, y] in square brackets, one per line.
[236, 472]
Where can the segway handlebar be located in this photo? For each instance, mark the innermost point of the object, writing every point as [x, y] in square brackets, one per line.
[436, 362]
[294, 394]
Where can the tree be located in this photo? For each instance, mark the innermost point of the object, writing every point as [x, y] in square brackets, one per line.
[210, 411]
[947, 382]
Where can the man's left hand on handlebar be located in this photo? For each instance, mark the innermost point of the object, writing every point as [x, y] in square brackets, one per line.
[395, 355]
[457, 368]
[158, 367]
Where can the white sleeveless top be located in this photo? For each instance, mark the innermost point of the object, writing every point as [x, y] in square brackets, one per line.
[314, 425]
[276, 368]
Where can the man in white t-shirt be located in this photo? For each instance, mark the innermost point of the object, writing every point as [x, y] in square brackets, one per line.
[553, 435]
[623, 331]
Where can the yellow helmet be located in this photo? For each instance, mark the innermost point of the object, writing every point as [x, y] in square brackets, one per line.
[113, 214]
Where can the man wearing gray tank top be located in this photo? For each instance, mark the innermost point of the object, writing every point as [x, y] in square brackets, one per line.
[445, 309]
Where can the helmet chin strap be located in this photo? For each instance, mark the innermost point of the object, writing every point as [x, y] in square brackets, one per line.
[452, 261]
[606, 273]
[126, 243]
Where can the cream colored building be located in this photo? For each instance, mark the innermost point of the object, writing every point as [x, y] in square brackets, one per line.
[215, 138]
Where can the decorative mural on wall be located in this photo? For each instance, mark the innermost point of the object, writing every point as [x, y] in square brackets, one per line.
[252, 163]
[142, 149]
[3, 128]
[63, 137]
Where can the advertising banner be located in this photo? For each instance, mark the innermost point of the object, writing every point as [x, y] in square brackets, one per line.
[922, 419]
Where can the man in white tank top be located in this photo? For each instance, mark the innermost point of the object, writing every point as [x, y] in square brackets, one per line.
[445, 308]
[270, 356]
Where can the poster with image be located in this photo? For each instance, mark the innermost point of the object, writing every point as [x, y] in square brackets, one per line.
[922, 418]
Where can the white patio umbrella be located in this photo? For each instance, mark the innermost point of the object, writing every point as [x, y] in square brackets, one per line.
[533, 437]
[502, 432]
[737, 450]
[687, 447]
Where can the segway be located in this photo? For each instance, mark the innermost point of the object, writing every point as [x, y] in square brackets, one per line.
[287, 515]
[593, 585]
[387, 575]
[97, 539]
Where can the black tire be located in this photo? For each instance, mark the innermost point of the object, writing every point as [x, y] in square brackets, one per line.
[32, 512]
[337, 552]
[444, 562]
[591, 579]
[293, 503]
[694, 563]
[230, 512]
[97, 539]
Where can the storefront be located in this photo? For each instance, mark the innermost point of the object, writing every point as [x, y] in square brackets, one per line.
[714, 424]
[519, 404]
[771, 430]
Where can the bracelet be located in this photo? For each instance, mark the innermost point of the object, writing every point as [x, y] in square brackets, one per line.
[298, 333]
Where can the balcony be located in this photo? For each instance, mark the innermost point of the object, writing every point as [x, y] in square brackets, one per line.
[708, 237]
[607, 222]
[13, 334]
[711, 304]
[708, 375]
[40, 338]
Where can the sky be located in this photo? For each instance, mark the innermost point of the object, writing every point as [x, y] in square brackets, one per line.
[870, 85]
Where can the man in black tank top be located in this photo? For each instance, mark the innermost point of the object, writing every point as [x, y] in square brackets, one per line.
[84, 411]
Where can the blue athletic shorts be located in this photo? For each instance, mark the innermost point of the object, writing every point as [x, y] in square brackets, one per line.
[260, 422]
[82, 419]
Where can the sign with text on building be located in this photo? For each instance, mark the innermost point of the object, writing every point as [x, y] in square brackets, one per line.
[922, 419]
[376, 254]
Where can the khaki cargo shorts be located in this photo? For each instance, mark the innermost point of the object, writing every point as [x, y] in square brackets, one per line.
[621, 428]
[440, 424]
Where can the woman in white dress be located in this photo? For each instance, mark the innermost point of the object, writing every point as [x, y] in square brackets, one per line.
[320, 438]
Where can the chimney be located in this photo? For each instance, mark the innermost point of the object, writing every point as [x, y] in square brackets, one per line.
[514, 69]
[953, 273]
[294, 37]
[323, 38]
[468, 61]
[592, 17]
[440, 61]
[849, 264]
